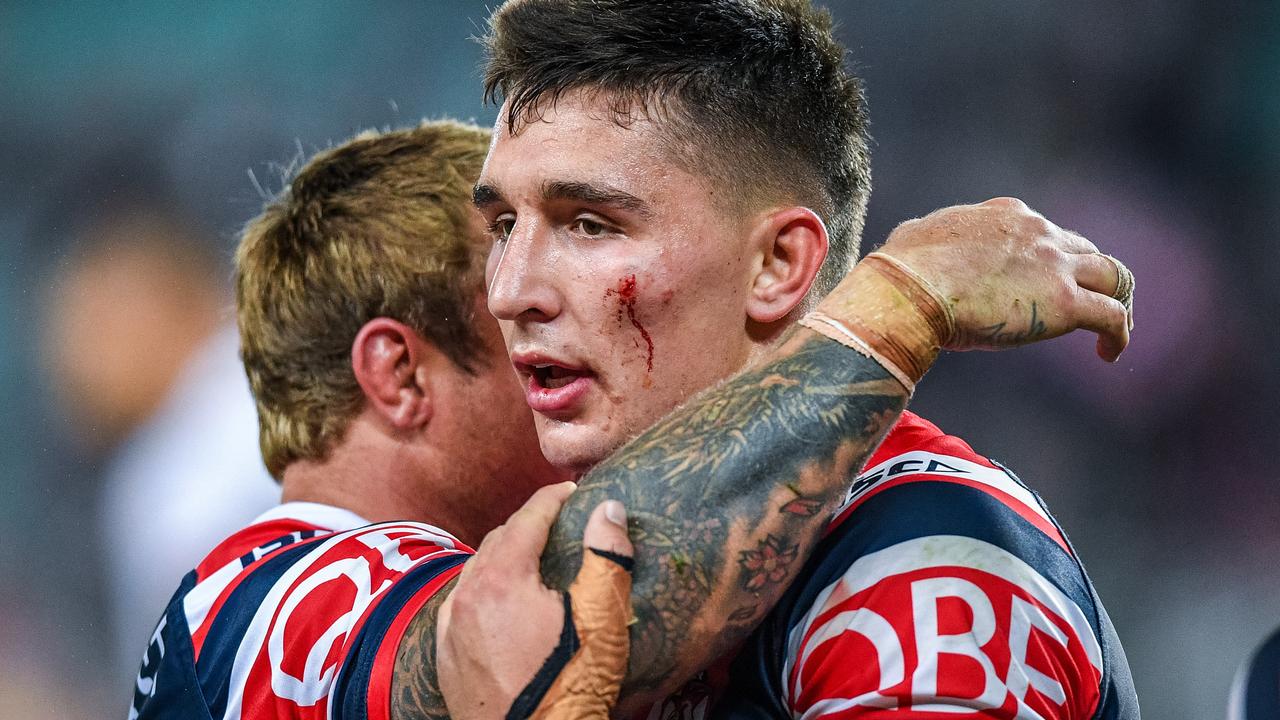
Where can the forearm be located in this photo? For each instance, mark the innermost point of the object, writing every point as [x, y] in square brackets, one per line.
[727, 497]
[415, 685]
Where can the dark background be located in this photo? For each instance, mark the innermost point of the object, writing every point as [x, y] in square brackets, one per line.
[1153, 128]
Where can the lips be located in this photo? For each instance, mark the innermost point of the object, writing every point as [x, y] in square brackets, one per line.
[553, 387]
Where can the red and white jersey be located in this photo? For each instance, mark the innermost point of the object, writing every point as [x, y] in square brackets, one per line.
[942, 589]
[298, 615]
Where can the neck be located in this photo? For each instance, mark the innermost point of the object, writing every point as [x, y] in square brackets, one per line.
[383, 479]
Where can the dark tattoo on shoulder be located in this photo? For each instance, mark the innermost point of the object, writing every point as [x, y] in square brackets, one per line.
[415, 687]
[727, 496]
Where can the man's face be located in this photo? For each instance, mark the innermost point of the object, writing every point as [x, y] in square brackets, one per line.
[618, 281]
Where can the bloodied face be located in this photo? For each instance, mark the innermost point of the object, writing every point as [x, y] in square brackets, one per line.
[618, 281]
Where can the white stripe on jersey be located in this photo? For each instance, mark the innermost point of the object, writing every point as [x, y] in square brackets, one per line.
[919, 554]
[199, 601]
[918, 462]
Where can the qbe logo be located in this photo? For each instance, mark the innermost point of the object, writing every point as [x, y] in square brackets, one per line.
[987, 641]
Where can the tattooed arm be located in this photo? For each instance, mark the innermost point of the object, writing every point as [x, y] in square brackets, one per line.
[727, 497]
[415, 684]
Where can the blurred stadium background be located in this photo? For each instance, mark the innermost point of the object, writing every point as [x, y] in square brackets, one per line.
[137, 137]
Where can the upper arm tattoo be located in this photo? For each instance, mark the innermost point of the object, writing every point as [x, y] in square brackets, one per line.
[727, 497]
[415, 686]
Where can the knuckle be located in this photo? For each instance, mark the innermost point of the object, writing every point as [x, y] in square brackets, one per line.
[1049, 255]
[1038, 224]
[1082, 240]
[1010, 203]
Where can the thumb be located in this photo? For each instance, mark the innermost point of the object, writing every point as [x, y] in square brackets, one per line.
[587, 685]
[606, 530]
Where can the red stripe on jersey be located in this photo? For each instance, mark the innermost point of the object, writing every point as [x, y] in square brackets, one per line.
[246, 540]
[913, 432]
[379, 698]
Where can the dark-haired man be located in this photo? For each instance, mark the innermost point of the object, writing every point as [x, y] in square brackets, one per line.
[385, 404]
[665, 182]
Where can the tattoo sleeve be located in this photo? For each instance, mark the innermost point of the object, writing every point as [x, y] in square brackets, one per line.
[726, 499]
[415, 688]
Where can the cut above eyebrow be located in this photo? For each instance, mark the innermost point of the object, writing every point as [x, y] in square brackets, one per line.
[485, 195]
[594, 195]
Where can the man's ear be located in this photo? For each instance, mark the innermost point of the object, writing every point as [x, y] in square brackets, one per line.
[793, 242]
[389, 360]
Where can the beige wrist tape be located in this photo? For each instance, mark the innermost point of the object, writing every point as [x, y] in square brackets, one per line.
[886, 311]
[587, 685]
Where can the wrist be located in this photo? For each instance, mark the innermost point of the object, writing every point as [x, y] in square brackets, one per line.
[886, 311]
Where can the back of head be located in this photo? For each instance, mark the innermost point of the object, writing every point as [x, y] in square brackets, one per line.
[380, 226]
[752, 93]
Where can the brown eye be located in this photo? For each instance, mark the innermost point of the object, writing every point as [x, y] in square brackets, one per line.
[501, 229]
[589, 227]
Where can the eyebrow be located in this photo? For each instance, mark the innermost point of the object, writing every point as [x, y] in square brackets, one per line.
[483, 196]
[595, 195]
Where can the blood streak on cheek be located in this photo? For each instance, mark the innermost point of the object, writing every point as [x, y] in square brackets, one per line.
[626, 294]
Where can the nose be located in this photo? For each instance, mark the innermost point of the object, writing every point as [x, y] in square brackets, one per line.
[522, 279]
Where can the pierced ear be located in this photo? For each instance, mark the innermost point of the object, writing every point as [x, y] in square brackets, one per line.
[389, 360]
[794, 244]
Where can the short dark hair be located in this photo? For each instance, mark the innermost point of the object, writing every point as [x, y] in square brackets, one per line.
[752, 92]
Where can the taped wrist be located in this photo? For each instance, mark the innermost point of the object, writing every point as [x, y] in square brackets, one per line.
[886, 311]
[583, 675]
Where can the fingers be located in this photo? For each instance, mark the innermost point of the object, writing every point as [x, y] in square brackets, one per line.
[1097, 273]
[588, 685]
[1102, 274]
[1107, 317]
[607, 530]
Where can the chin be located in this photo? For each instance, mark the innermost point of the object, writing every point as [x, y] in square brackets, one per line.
[573, 447]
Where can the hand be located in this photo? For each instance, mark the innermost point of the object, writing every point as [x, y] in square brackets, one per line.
[1011, 277]
[500, 625]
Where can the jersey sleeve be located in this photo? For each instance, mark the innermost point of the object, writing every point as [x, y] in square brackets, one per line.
[308, 631]
[943, 590]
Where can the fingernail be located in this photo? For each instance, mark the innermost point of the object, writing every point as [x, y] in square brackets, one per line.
[616, 513]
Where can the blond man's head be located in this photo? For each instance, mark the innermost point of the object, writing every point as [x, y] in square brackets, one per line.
[380, 226]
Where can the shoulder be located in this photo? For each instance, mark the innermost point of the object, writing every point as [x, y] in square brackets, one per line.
[306, 622]
[943, 582]
[921, 472]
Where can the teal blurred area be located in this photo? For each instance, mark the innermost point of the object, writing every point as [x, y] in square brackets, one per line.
[1151, 127]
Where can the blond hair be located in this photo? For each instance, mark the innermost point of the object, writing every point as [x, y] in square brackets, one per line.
[380, 226]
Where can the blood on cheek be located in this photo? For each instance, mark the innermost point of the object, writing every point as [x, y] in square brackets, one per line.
[625, 292]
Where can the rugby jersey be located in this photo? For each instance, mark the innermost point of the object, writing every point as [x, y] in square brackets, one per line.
[943, 588]
[297, 616]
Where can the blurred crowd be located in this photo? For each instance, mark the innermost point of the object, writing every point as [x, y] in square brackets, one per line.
[137, 140]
